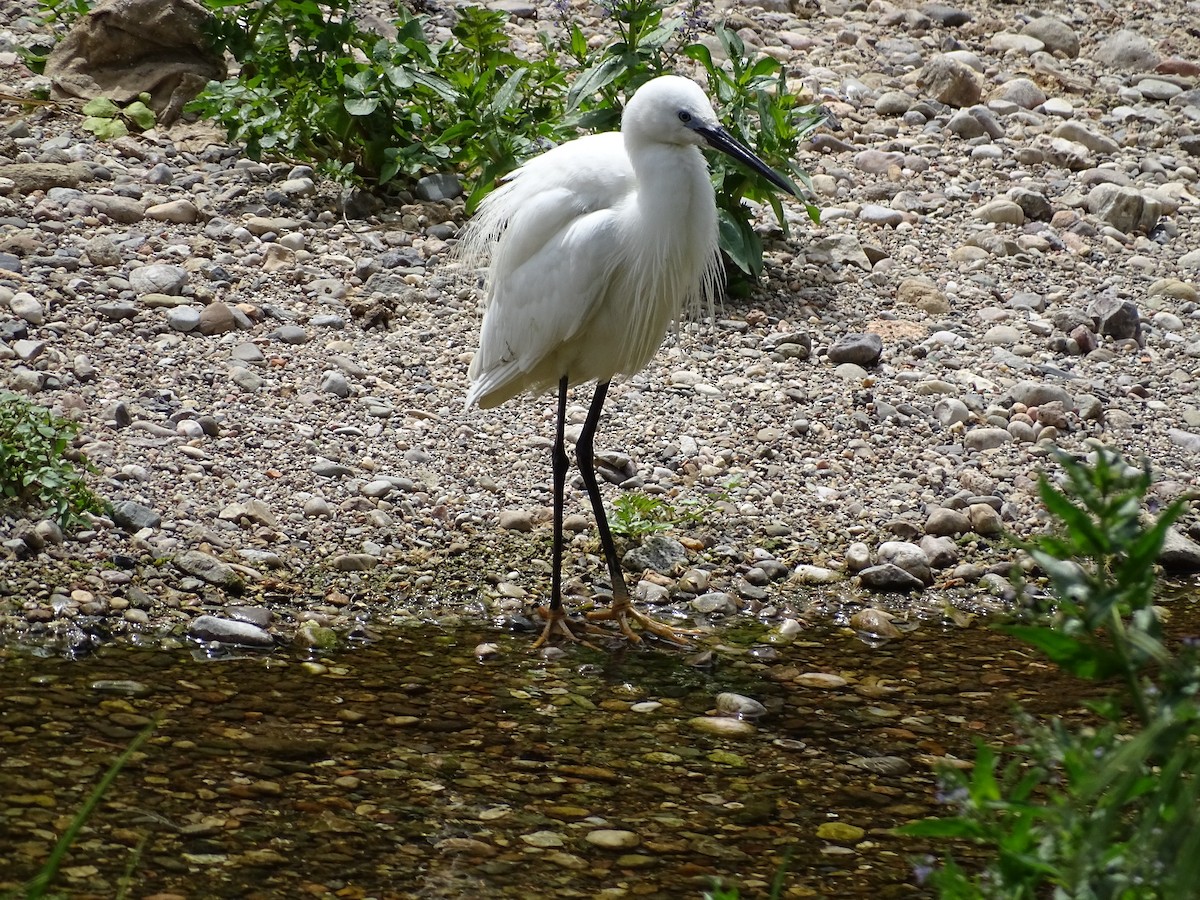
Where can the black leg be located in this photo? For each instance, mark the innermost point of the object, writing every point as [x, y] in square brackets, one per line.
[585, 456]
[622, 609]
[561, 463]
[556, 618]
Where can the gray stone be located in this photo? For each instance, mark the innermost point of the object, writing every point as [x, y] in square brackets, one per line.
[1179, 553]
[1127, 50]
[837, 249]
[1037, 393]
[25, 306]
[355, 562]
[158, 278]
[877, 162]
[229, 631]
[908, 556]
[1001, 212]
[714, 602]
[1116, 318]
[183, 318]
[1076, 132]
[216, 318]
[249, 513]
[180, 211]
[1188, 440]
[945, 522]
[516, 520]
[30, 177]
[248, 381]
[951, 411]
[335, 383]
[965, 125]
[1024, 92]
[949, 81]
[858, 556]
[1157, 89]
[125, 210]
[860, 349]
[658, 553]
[102, 251]
[889, 577]
[133, 516]
[941, 551]
[439, 186]
[947, 15]
[298, 187]
[893, 103]
[208, 568]
[1033, 204]
[980, 439]
[292, 334]
[1125, 208]
[985, 521]
[1059, 37]
[874, 214]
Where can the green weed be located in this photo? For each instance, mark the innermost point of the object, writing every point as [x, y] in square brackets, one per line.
[314, 86]
[35, 472]
[1112, 810]
[37, 887]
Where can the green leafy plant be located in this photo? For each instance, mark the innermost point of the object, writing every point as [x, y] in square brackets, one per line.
[636, 515]
[759, 110]
[61, 14]
[108, 121]
[644, 48]
[364, 109]
[64, 12]
[1110, 810]
[504, 109]
[34, 469]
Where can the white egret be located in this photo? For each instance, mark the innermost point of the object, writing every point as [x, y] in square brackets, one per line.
[596, 247]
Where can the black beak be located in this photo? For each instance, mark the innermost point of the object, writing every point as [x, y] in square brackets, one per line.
[720, 139]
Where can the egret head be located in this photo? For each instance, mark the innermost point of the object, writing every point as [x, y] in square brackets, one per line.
[675, 111]
[667, 110]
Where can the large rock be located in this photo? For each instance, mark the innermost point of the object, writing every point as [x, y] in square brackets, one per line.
[951, 82]
[658, 553]
[1059, 37]
[1117, 318]
[1179, 553]
[1129, 51]
[30, 177]
[124, 48]
[1124, 208]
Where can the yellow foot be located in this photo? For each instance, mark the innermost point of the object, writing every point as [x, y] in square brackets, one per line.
[622, 611]
[559, 626]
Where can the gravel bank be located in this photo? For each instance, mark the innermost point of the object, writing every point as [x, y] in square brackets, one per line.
[1008, 262]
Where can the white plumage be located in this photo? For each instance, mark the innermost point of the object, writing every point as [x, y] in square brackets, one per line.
[595, 248]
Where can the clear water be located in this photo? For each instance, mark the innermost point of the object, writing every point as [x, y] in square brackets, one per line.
[406, 767]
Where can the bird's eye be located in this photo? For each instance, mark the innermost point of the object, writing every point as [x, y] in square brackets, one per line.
[685, 116]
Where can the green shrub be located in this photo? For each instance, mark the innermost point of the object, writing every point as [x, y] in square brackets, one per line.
[364, 109]
[636, 516]
[1112, 810]
[315, 86]
[34, 470]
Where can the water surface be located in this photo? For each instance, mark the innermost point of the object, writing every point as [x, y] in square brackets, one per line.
[405, 767]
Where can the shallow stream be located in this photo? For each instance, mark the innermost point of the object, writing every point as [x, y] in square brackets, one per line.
[406, 767]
